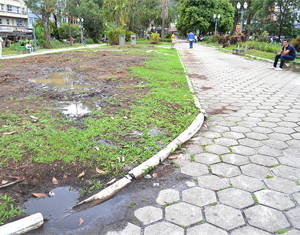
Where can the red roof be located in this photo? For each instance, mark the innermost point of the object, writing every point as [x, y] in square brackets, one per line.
[172, 29]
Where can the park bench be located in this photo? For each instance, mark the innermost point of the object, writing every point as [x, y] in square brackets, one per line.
[236, 50]
[243, 52]
[22, 50]
[296, 62]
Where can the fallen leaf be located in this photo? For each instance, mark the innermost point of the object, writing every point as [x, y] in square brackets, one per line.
[80, 221]
[81, 174]
[39, 194]
[112, 181]
[4, 181]
[154, 175]
[65, 176]
[97, 148]
[54, 180]
[125, 146]
[33, 117]
[172, 157]
[22, 123]
[8, 133]
[100, 171]
[20, 145]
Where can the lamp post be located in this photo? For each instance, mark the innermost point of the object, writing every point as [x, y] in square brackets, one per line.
[217, 19]
[242, 12]
[81, 27]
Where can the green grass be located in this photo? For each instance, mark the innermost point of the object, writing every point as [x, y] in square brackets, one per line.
[163, 106]
[281, 231]
[7, 209]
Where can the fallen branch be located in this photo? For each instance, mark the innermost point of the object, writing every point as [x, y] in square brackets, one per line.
[6, 185]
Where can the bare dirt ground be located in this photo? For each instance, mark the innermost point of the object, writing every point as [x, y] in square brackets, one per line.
[104, 71]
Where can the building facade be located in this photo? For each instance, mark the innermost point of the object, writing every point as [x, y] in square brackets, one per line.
[14, 20]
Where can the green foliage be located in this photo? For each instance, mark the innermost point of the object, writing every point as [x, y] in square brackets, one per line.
[89, 41]
[216, 38]
[265, 34]
[113, 33]
[128, 36]
[262, 46]
[64, 31]
[296, 43]
[155, 38]
[168, 35]
[7, 210]
[39, 30]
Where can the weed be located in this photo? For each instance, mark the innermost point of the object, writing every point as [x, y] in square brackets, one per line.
[192, 157]
[177, 166]
[213, 204]
[255, 199]
[195, 179]
[292, 199]
[7, 209]
[202, 222]
[269, 176]
[131, 205]
[220, 189]
[281, 231]
[142, 200]
[297, 182]
[168, 204]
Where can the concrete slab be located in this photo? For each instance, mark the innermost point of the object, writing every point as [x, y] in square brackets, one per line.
[199, 196]
[274, 199]
[235, 197]
[225, 170]
[213, 182]
[205, 229]
[163, 228]
[167, 195]
[247, 183]
[194, 169]
[148, 214]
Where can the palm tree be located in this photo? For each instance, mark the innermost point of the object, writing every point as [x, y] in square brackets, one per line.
[164, 15]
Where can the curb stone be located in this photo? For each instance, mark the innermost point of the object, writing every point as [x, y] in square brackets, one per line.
[154, 160]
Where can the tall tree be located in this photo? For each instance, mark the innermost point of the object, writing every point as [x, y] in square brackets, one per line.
[43, 8]
[164, 15]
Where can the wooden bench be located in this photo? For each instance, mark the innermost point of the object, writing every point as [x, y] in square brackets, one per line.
[243, 52]
[22, 50]
[295, 62]
[235, 51]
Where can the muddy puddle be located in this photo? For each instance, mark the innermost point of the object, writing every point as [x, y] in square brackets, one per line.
[69, 82]
[57, 210]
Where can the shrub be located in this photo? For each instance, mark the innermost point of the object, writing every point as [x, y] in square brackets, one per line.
[90, 41]
[56, 44]
[262, 46]
[128, 36]
[113, 34]
[168, 35]
[155, 38]
[296, 43]
[207, 38]
[167, 40]
[216, 38]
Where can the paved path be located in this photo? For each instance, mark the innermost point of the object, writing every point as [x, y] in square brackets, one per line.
[45, 51]
[244, 164]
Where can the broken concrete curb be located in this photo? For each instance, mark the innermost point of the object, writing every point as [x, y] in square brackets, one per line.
[154, 160]
[23, 225]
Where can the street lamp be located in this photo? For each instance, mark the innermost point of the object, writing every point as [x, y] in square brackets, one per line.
[217, 19]
[242, 12]
[81, 27]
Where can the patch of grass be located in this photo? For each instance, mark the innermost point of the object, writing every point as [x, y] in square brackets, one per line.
[202, 222]
[143, 200]
[281, 231]
[269, 176]
[168, 204]
[177, 166]
[192, 157]
[255, 199]
[213, 204]
[7, 209]
[297, 182]
[195, 179]
[131, 205]
[292, 199]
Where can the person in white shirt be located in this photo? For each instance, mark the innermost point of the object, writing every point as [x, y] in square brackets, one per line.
[1, 44]
[28, 46]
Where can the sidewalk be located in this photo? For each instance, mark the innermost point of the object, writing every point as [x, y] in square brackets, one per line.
[47, 51]
[243, 168]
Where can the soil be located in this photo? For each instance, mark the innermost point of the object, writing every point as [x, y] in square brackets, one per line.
[104, 70]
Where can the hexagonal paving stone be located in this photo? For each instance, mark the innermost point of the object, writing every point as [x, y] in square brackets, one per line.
[287, 172]
[275, 144]
[294, 217]
[163, 228]
[284, 130]
[183, 214]
[219, 129]
[282, 185]
[269, 151]
[225, 142]
[235, 197]
[194, 169]
[257, 136]
[211, 135]
[262, 130]
[250, 143]
[207, 158]
[213, 182]
[296, 136]
[205, 229]
[240, 129]
[248, 230]
[256, 171]
[123, 228]
[291, 152]
[266, 218]
[288, 124]
[247, 183]
[225, 170]
[247, 124]
[267, 124]
[224, 216]
[264, 160]
[294, 143]
[218, 149]
[235, 159]
[274, 199]
[280, 136]
[149, 214]
[292, 232]
[167, 195]
[233, 135]
[296, 196]
[202, 141]
[243, 150]
[182, 158]
[194, 149]
[199, 196]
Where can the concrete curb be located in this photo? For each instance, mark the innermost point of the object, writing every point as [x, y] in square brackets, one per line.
[154, 160]
[23, 225]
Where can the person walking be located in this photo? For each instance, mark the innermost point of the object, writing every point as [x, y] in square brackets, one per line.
[191, 39]
[1, 44]
[288, 52]
[83, 39]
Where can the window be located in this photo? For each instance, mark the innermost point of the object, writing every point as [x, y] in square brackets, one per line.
[7, 21]
[23, 10]
[18, 9]
[2, 7]
[0, 21]
[30, 23]
[9, 8]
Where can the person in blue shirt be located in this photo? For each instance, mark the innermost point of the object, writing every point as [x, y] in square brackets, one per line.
[191, 39]
[288, 52]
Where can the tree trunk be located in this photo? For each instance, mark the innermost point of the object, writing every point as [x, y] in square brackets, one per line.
[69, 23]
[163, 30]
[236, 18]
[133, 22]
[47, 31]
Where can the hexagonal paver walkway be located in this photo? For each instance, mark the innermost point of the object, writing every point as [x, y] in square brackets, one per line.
[242, 170]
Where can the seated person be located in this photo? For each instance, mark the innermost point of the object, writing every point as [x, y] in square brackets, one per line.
[288, 52]
[28, 46]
